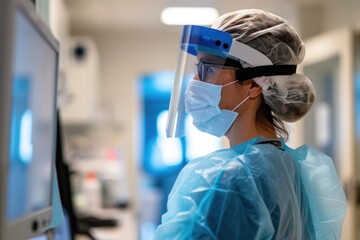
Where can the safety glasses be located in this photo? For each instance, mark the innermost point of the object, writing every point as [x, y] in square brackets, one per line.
[207, 71]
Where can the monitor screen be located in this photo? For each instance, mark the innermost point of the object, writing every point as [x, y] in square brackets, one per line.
[28, 73]
[31, 145]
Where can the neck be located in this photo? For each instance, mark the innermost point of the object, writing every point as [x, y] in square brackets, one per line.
[244, 128]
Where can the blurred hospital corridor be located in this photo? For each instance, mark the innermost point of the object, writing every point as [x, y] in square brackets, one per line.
[117, 59]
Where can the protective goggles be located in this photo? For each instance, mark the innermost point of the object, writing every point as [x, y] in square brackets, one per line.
[206, 70]
[210, 51]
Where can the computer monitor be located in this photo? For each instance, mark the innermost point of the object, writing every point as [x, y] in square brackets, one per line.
[28, 84]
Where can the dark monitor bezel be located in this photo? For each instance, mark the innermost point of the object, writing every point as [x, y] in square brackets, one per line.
[22, 228]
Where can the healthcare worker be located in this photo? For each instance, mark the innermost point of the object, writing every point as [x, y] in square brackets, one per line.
[245, 85]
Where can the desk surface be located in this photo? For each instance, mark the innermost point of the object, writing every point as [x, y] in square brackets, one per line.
[127, 228]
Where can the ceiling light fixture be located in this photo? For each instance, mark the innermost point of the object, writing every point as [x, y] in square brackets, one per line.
[189, 15]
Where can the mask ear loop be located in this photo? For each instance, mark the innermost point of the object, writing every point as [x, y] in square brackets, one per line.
[241, 103]
[230, 83]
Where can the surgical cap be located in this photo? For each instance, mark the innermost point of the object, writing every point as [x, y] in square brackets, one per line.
[289, 97]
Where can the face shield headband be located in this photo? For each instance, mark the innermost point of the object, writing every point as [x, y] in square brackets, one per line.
[220, 44]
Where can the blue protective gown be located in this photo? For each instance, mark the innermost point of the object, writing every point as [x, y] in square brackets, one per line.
[260, 189]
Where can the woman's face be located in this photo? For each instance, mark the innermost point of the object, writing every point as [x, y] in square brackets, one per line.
[211, 70]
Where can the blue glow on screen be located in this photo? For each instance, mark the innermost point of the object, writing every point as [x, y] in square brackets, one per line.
[19, 170]
[25, 145]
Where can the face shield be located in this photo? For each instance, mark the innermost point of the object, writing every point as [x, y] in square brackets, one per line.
[204, 52]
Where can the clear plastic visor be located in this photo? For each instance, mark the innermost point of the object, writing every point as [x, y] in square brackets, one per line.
[198, 61]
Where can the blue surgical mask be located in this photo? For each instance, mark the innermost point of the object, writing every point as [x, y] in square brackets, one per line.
[202, 103]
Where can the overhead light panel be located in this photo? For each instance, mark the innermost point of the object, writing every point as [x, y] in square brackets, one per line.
[189, 15]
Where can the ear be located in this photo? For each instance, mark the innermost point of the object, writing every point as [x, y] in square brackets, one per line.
[255, 90]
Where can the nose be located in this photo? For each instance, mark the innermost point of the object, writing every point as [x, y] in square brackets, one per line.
[196, 77]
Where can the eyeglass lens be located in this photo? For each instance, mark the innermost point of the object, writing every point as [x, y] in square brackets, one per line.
[205, 70]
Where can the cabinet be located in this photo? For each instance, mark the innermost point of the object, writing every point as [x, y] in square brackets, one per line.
[80, 82]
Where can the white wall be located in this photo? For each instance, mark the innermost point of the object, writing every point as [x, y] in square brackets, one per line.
[60, 26]
[325, 16]
[341, 13]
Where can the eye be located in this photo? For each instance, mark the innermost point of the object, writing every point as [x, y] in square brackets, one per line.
[209, 69]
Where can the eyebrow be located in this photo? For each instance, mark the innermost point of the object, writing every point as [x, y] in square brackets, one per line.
[208, 61]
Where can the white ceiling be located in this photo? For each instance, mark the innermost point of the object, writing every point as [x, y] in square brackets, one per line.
[115, 15]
